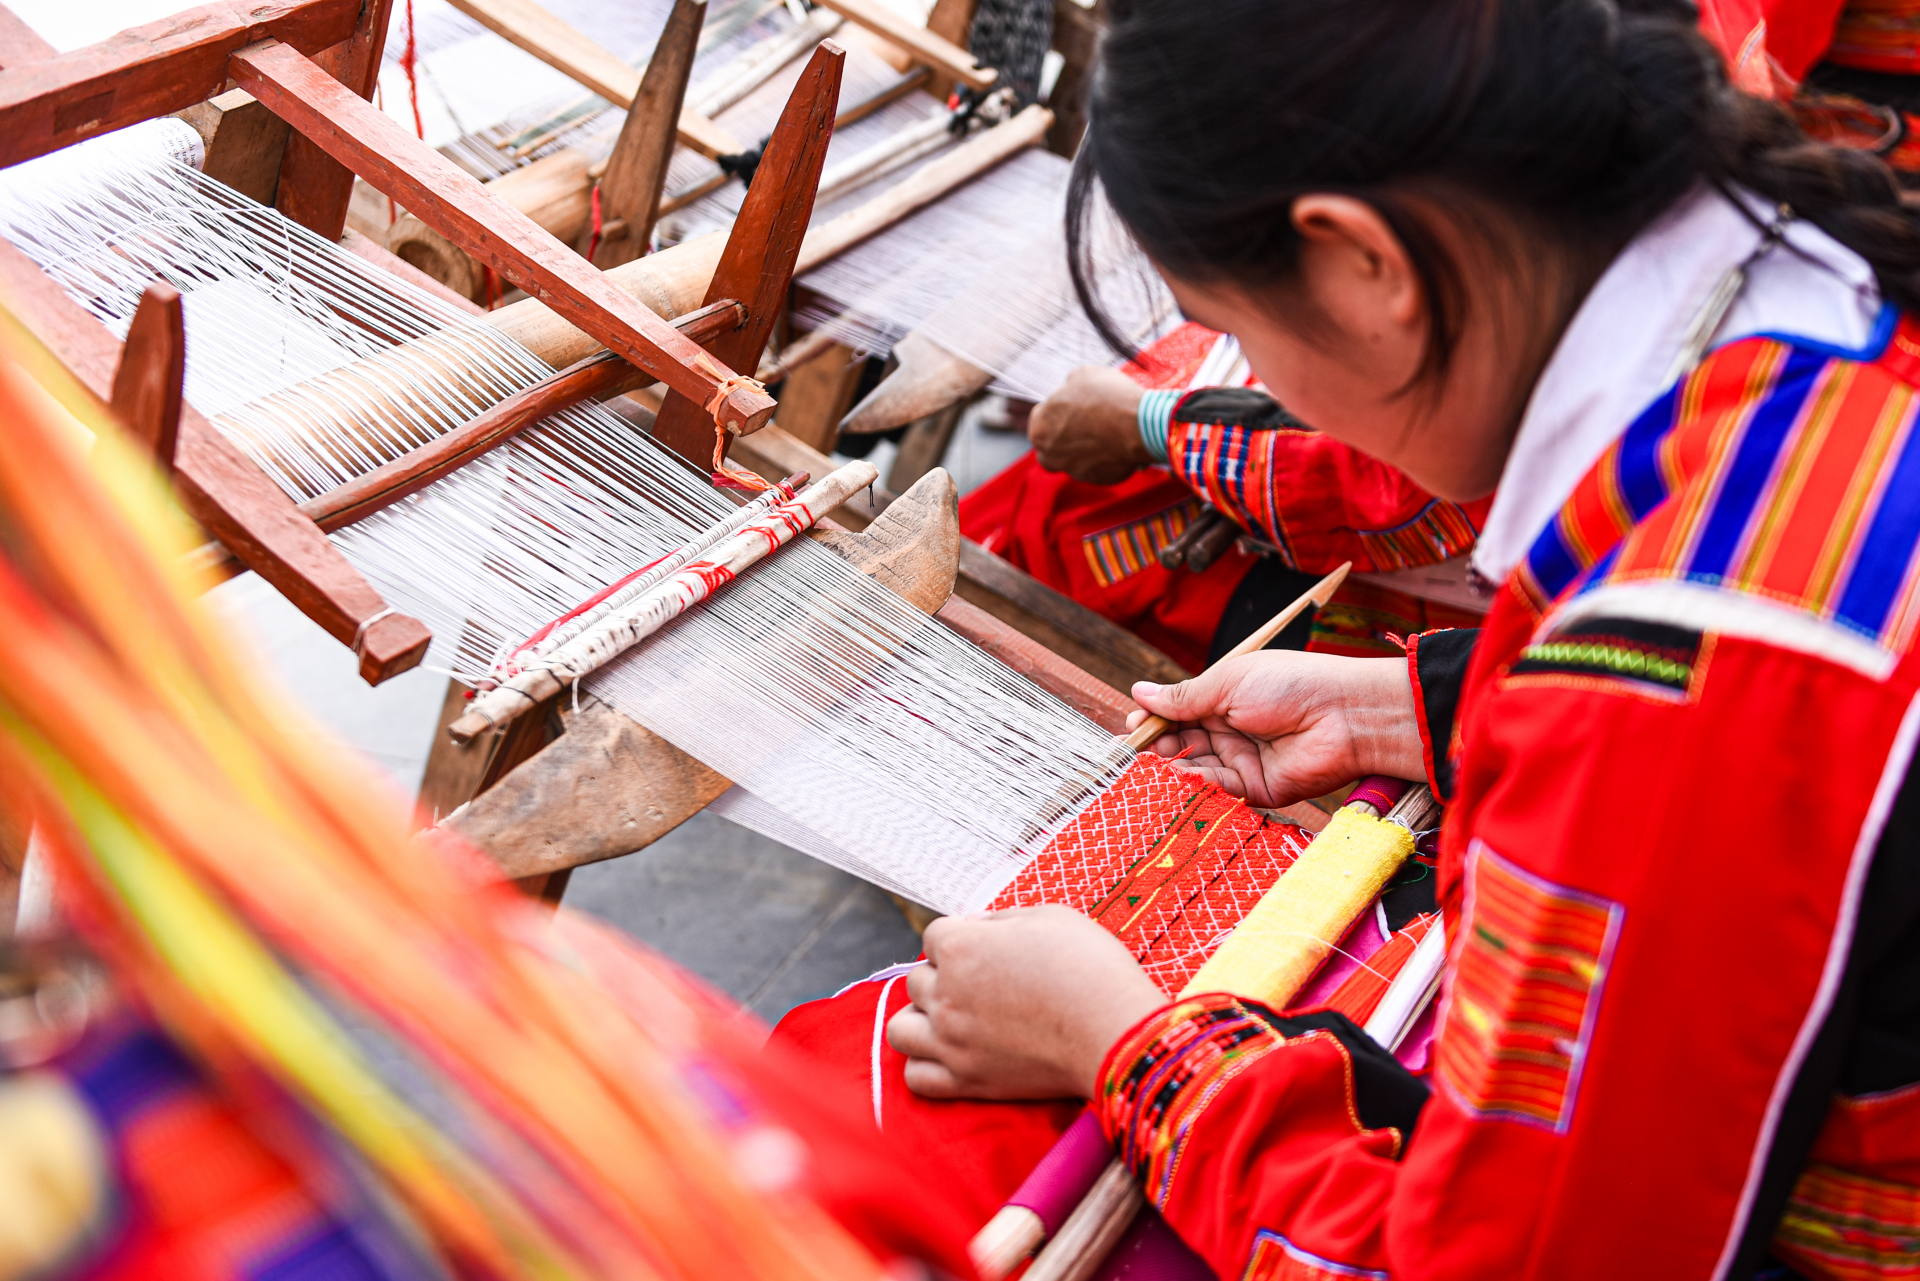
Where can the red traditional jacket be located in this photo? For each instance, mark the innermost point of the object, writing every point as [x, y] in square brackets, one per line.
[1680, 870]
[1315, 500]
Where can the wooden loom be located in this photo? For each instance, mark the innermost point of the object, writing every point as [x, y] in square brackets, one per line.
[554, 191]
[708, 308]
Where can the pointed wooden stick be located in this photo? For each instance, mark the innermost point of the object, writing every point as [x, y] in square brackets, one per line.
[758, 263]
[636, 169]
[146, 386]
[1322, 592]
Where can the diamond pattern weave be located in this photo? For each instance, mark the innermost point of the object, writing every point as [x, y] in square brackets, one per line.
[1167, 861]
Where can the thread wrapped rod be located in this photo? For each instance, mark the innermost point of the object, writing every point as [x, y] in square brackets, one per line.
[693, 582]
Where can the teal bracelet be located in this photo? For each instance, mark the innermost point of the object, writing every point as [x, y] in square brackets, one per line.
[1156, 415]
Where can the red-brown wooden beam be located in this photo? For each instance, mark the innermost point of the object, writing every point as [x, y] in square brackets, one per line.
[225, 491]
[153, 70]
[153, 364]
[591, 379]
[454, 204]
[757, 264]
[19, 43]
[315, 189]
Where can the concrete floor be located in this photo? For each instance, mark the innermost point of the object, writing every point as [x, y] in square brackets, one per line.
[767, 924]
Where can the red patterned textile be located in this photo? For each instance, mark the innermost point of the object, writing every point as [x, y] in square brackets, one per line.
[1165, 860]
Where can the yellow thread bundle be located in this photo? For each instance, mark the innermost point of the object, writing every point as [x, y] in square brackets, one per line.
[1274, 951]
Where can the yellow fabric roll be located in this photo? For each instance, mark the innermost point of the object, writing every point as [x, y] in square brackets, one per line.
[1274, 951]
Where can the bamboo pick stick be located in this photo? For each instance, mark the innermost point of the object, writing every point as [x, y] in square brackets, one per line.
[1318, 595]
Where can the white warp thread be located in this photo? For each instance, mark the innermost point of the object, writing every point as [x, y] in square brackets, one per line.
[914, 760]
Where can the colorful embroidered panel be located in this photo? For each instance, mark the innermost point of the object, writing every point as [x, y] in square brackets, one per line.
[1438, 533]
[1842, 1226]
[1125, 550]
[1175, 1065]
[1779, 472]
[1616, 654]
[1274, 1258]
[1525, 991]
[1164, 859]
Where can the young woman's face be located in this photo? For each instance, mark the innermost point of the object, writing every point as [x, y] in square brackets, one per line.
[1343, 349]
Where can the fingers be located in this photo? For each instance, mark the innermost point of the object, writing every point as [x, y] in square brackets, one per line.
[1185, 702]
[932, 1079]
[911, 1032]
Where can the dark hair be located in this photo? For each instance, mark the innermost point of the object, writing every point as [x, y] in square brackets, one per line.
[1584, 119]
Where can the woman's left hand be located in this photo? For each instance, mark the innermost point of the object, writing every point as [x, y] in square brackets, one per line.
[1022, 1004]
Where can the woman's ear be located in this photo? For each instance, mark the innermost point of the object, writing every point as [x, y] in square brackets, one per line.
[1355, 265]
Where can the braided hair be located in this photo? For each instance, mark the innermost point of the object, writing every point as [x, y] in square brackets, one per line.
[1583, 120]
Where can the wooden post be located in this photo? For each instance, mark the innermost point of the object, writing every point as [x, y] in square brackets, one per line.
[1076, 32]
[952, 21]
[315, 187]
[629, 191]
[924, 446]
[226, 492]
[146, 387]
[817, 394]
[244, 142]
[757, 264]
[456, 205]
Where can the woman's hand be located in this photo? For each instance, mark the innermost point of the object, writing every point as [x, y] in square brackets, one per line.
[1090, 427]
[1022, 1004]
[1280, 726]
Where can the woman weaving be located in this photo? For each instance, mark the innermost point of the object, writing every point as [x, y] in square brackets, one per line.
[1538, 245]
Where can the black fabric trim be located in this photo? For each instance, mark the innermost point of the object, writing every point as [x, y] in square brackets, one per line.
[1384, 1093]
[1267, 588]
[1870, 1041]
[1236, 407]
[1414, 891]
[1440, 659]
[1622, 649]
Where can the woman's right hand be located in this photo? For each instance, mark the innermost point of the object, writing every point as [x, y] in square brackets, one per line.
[1281, 726]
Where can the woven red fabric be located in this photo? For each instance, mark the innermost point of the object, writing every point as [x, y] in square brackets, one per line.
[1164, 859]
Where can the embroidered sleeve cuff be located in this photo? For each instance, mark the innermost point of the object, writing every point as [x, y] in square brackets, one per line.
[1155, 415]
[1437, 664]
[1159, 1077]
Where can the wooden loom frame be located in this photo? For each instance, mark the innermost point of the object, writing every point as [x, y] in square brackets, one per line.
[312, 63]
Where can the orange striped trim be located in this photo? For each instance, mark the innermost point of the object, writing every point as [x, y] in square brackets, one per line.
[1526, 989]
[1124, 550]
[1844, 1226]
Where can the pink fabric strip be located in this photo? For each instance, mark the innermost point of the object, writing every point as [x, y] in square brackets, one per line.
[1379, 791]
[1066, 1173]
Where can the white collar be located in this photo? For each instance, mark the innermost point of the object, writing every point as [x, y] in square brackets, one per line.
[1614, 358]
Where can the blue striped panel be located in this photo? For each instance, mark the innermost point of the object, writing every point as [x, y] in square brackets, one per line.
[1745, 479]
[1880, 570]
[1642, 484]
[1552, 562]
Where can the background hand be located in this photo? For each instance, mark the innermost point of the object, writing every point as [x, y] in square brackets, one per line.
[1280, 726]
[1089, 428]
[1021, 1004]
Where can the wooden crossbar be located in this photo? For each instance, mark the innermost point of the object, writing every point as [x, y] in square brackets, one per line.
[225, 491]
[152, 70]
[370, 143]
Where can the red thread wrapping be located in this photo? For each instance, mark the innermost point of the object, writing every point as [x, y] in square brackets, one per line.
[409, 63]
[593, 244]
